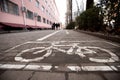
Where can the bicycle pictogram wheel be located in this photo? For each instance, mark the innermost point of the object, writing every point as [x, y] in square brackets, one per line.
[94, 54]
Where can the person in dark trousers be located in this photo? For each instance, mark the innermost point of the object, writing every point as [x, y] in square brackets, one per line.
[57, 26]
[53, 26]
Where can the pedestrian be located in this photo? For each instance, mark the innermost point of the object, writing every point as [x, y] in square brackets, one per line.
[53, 26]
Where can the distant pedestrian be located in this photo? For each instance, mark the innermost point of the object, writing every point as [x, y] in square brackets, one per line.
[57, 26]
[53, 26]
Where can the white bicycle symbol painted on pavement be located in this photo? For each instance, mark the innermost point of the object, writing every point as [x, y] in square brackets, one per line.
[82, 51]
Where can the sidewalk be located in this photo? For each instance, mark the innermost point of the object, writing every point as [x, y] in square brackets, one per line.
[36, 75]
[13, 31]
[102, 35]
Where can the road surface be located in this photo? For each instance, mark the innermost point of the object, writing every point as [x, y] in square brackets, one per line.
[58, 55]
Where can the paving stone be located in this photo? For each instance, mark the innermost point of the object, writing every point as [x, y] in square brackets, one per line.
[48, 76]
[84, 76]
[16, 75]
[112, 76]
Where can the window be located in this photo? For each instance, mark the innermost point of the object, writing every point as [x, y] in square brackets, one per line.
[39, 18]
[44, 20]
[47, 21]
[4, 5]
[37, 3]
[9, 7]
[30, 0]
[29, 14]
[47, 12]
[43, 8]
[50, 23]
[46, 1]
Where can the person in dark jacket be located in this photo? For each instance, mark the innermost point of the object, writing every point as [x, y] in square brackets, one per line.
[53, 26]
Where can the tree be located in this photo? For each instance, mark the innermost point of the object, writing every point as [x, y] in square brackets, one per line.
[89, 20]
[71, 25]
[112, 9]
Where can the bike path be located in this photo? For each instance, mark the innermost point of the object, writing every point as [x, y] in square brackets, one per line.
[62, 59]
[73, 55]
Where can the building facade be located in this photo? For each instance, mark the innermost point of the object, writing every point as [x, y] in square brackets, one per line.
[35, 14]
[69, 12]
[84, 4]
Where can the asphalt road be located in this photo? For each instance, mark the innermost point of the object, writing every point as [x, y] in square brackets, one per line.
[58, 55]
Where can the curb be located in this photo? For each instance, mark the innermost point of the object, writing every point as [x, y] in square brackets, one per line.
[103, 36]
[7, 32]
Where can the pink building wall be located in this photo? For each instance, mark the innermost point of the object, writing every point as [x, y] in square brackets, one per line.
[50, 6]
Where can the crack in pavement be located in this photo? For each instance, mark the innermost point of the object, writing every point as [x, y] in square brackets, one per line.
[31, 75]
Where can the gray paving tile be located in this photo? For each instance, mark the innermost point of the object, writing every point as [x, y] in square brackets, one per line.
[15, 75]
[86, 76]
[48, 76]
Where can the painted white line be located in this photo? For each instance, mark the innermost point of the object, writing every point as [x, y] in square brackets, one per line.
[29, 41]
[48, 67]
[70, 51]
[113, 57]
[1, 64]
[12, 66]
[97, 68]
[81, 51]
[67, 32]
[74, 68]
[59, 49]
[38, 67]
[33, 67]
[18, 57]
[47, 36]
[56, 67]
[57, 42]
[112, 44]
[118, 66]
[16, 46]
[27, 50]
[114, 68]
[45, 67]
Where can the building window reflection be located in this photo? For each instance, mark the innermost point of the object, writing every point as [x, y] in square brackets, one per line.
[29, 14]
[9, 7]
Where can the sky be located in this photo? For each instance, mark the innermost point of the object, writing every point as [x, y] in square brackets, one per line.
[61, 5]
